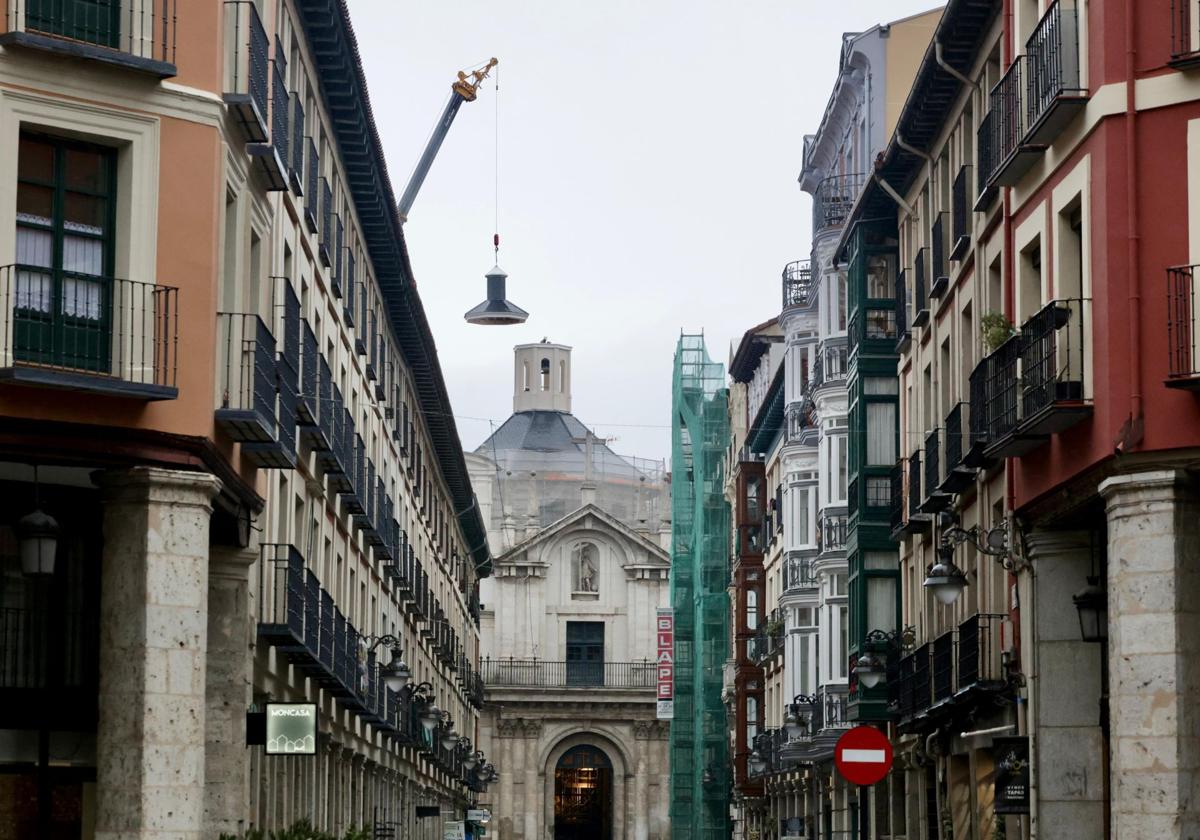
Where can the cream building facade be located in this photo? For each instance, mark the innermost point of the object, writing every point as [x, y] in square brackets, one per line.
[568, 620]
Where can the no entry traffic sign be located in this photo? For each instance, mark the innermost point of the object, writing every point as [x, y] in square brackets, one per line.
[863, 755]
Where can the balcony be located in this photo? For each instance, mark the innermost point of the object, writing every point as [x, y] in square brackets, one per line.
[295, 157]
[896, 506]
[958, 474]
[945, 678]
[935, 500]
[539, 673]
[940, 272]
[1052, 367]
[1012, 154]
[312, 172]
[942, 667]
[920, 283]
[985, 190]
[298, 618]
[248, 379]
[1185, 34]
[1055, 91]
[834, 528]
[325, 247]
[246, 76]
[979, 652]
[918, 521]
[1183, 368]
[270, 160]
[960, 215]
[833, 200]
[799, 574]
[798, 288]
[137, 35]
[903, 314]
[1035, 384]
[90, 334]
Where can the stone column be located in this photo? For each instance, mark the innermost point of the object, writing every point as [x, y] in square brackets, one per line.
[153, 632]
[1154, 642]
[1067, 746]
[228, 690]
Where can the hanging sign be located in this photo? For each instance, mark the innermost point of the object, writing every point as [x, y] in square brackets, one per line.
[1012, 775]
[291, 729]
[664, 628]
[454, 830]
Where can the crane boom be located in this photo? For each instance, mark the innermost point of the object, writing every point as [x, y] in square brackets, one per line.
[463, 90]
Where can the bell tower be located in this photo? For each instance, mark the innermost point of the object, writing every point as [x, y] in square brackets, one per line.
[542, 377]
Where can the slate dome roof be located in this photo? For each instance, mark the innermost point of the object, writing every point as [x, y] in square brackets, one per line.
[541, 442]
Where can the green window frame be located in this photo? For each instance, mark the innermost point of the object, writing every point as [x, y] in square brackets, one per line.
[63, 285]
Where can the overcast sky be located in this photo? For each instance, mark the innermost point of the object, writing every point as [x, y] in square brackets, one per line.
[648, 160]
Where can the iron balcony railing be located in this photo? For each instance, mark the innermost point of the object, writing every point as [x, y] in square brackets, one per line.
[1053, 355]
[922, 679]
[326, 244]
[920, 284]
[1183, 359]
[247, 379]
[799, 573]
[914, 483]
[901, 695]
[833, 531]
[903, 313]
[1009, 113]
[833, 200]
[960, 214]
[140, 35]
[1185, 35]
[998, 373]
[312, 175]
[113, 335]
[938, 252]
[540, 673]
[986, 153]
[896, 506]
[1053, 59]
[933, 463]
[246, 63]
[879, 324]
[979, 650]
[798, 289]
[49, 647]
[280, 106]
[943, 666]
[956, 436]
[295, 161]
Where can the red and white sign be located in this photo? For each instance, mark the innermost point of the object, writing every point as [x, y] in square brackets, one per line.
[863, 755]
[664, 630]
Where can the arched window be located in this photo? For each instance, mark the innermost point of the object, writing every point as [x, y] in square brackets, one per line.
[545, 374]
[751, 609]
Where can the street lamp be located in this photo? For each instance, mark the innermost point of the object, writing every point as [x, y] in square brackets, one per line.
[945, 579]
[430, 717]
[870, 670]
[396, 672]
[795, 723]
[1092, 604]
[37, 537]
[757, 763]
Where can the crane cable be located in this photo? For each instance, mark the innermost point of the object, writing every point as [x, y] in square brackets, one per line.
[496, 170]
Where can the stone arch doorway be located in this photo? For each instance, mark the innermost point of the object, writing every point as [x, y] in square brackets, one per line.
[583, 794]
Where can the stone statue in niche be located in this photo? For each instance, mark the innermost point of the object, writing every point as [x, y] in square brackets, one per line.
[586, 567]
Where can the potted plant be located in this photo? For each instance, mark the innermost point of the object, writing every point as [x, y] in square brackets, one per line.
[996, 330]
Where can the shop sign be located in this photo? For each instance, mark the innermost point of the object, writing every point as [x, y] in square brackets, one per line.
[454, 830]
[1012, 774]
[664, 631]
[291, 729]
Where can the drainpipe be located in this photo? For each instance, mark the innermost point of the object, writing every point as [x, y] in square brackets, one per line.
[896, 197]
[941, 62]
[1131, 201]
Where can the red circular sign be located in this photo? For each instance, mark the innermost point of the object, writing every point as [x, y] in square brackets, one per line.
[863, 755]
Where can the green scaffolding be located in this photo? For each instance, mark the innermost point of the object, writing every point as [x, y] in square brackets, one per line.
[700, 765]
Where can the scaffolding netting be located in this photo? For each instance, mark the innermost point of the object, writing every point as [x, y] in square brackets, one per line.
[700, 764]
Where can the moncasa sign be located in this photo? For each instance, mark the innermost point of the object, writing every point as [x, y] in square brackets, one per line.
[291, 729]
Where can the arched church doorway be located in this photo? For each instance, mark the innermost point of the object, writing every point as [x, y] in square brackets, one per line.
[583, 793]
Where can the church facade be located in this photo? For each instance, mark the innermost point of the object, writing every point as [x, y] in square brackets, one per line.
[568, 620]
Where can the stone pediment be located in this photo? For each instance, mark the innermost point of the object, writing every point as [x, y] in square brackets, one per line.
[590, 518]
